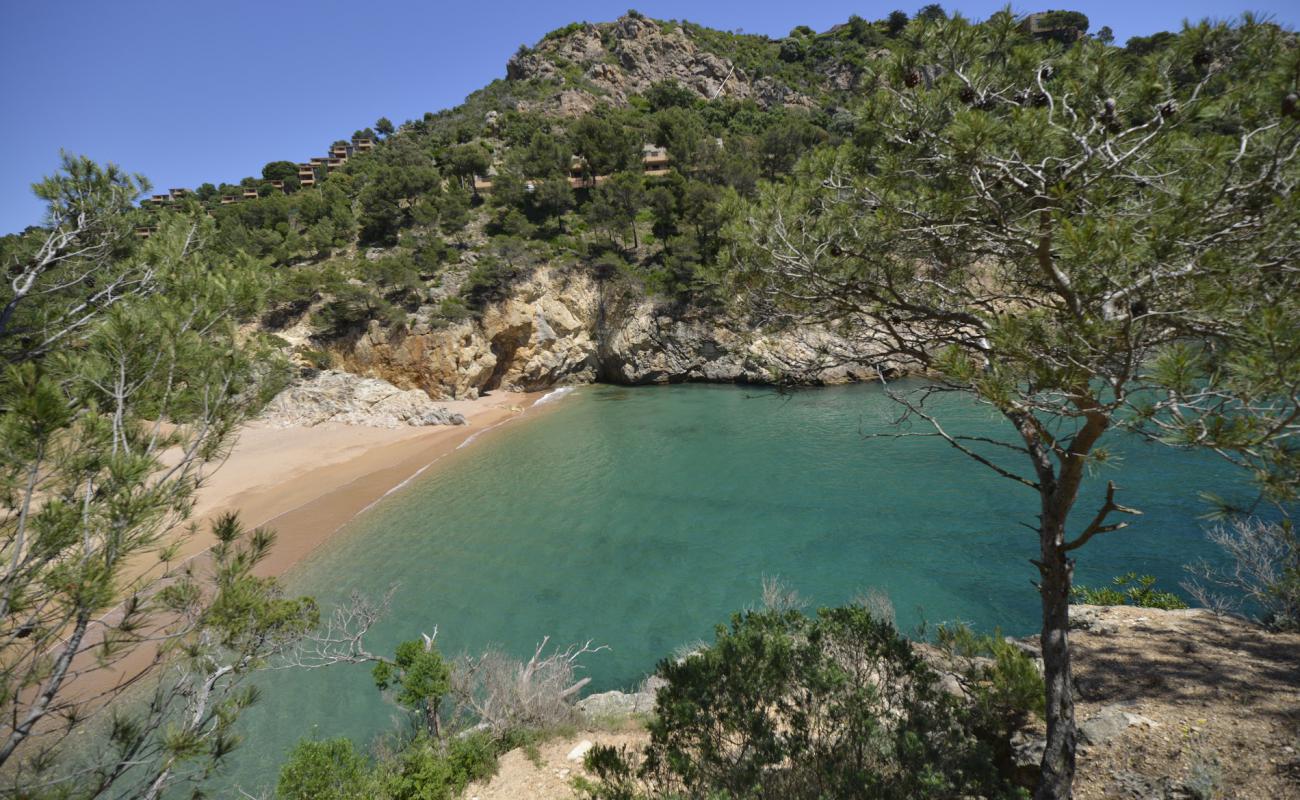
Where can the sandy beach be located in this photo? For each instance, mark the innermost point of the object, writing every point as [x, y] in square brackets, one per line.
[307, 482]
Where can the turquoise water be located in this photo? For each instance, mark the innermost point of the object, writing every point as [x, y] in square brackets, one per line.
[641, 518]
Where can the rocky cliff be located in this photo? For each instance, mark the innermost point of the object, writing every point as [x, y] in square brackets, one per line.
[609, 62]
[564, 327]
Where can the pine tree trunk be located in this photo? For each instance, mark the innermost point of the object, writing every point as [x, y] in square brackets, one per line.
[1056, 775]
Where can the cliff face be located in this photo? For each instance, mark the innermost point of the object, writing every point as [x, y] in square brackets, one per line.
[561, 328]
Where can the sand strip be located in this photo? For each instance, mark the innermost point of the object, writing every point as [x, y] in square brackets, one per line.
[306, 483]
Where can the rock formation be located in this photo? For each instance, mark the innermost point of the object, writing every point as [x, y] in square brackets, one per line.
[332, 396]
[564, 327]
[625, 57]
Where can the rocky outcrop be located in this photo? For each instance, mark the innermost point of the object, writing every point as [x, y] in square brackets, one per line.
[332, 396]
[563, 327]
[622, 58]
[606, 705]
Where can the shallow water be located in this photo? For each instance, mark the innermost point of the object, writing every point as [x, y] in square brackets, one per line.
[641, 518]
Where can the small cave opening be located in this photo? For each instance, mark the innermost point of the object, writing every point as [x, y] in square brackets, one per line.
[503, 347]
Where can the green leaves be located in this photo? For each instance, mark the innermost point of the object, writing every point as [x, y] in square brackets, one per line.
[418, 677]
[784, 705]
[1128, 589]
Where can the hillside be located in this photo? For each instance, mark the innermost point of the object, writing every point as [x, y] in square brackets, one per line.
[564, 224]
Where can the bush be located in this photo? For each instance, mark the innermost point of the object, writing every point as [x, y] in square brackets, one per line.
[784, 705]
[322, 770]
[452, 310]
[350, 308]
[1002, 684]
[1263, 568]
[428, 770]
[316, 358]
[423, 769]
[1129, 589]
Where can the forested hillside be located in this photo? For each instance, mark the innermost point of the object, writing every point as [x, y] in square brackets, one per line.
[1086, 239]
[428, 222]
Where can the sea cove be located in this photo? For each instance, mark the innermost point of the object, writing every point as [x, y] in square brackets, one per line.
[642, 517]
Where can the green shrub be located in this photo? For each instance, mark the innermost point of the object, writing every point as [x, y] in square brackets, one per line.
[453, 309]
[322, 770]
[353, 306]
[788, 706]
[1002, 684]
[429, 770]
[1003, 678]
[1129, 589]
[316, 358]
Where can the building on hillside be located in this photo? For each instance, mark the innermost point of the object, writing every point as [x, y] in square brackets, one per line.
[177, 194]
[340, 151]
[250, 194]
[227, 199]
[277, 184]
[318, 162]
[160, 199]
[1062, 26]
[335, 163]
[654, 157]
[145, 231]
[363, 145]
[482, 185]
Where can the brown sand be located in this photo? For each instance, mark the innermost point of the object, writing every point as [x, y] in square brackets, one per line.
[306, 483]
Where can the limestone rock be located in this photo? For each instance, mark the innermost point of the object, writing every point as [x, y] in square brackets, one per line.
[621, 704]
[333, 396]
[580, 751]
[1110, 722]
[561, 327]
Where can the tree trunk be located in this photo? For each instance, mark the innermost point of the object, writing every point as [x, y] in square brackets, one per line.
[1056, 776]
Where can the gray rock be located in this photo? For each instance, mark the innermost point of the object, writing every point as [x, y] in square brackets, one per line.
[608, 704]
[334, 396]
[1110, 722]
[1026, 755]
[624, 58]
[621, 704]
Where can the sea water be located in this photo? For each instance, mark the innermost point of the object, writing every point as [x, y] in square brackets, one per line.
[641, 518]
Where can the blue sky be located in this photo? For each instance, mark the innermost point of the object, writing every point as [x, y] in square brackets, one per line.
[186, 92]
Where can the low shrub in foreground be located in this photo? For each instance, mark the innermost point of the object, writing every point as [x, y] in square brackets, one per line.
[784, 705]
[423, 769]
